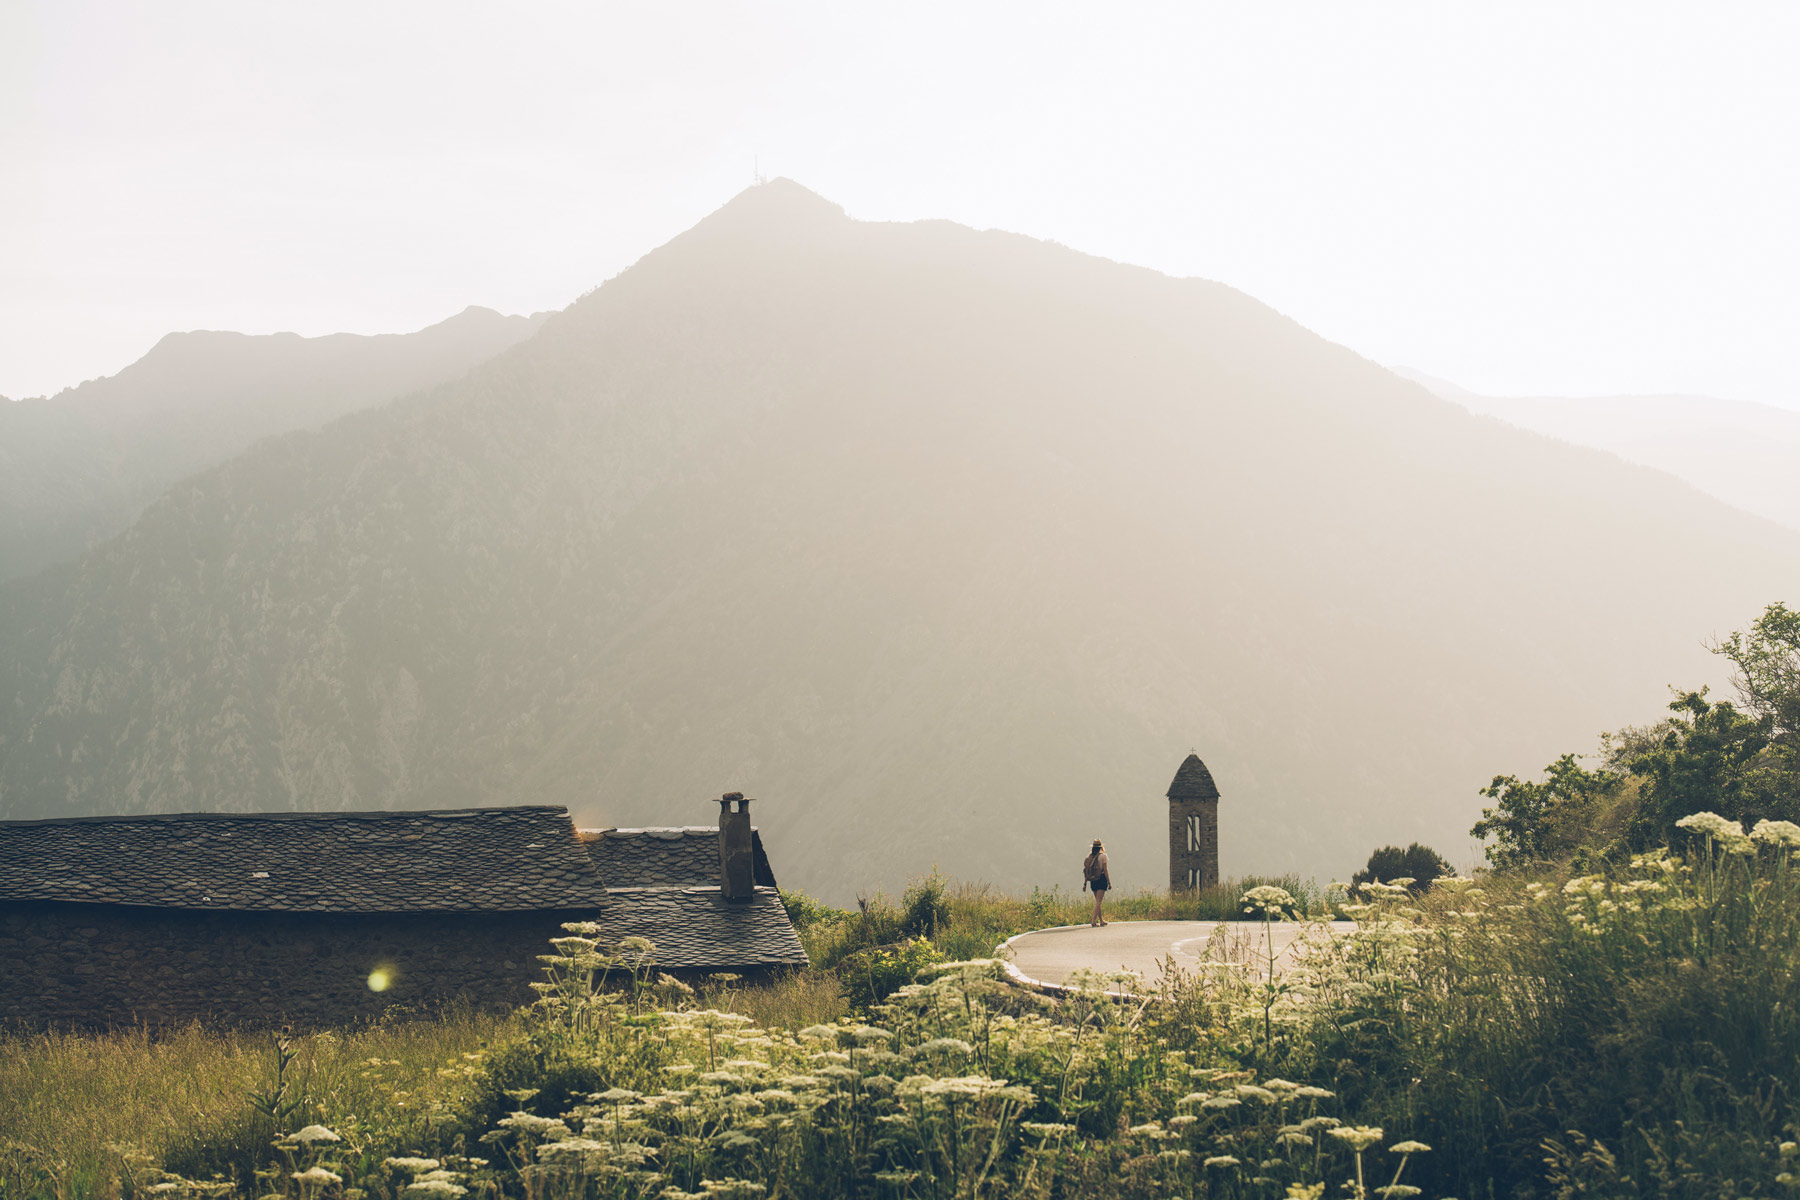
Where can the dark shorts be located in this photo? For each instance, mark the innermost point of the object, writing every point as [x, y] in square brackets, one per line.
[1102, 884]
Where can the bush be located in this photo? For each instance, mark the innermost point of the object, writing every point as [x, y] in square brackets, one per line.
[926, 906]
[805, 912]
[1419, 863]
[1221, 901]
[871, 976]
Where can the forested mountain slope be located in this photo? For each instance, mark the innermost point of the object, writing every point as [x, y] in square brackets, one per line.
[75, 468]
[947, 545]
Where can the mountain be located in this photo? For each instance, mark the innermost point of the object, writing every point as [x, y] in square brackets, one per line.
[1745, 454]
[947, 545]
[78, 467]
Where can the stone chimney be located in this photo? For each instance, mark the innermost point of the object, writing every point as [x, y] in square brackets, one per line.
[737, 860]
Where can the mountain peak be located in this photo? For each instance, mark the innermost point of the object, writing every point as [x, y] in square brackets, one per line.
[777, 208]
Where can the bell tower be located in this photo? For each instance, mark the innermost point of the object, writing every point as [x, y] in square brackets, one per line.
[1193, 827]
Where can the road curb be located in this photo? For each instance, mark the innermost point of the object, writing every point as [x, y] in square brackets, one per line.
[1020, 978]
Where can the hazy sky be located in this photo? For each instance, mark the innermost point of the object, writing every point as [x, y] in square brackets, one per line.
[1569, 198]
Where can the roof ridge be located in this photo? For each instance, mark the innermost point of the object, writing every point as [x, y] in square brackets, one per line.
[358, 814]
[629, 830]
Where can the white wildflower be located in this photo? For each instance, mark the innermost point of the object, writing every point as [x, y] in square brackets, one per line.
[314, 1135]
[1357, 1137]
[318, 1176]
[1729, 834]
[1777, 833]
[1267, 899]
[531, 1123]
[945, 1045]
[962, 1085]
[434, 1189]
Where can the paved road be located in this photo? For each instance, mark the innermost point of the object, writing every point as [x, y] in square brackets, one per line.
[1052, 955]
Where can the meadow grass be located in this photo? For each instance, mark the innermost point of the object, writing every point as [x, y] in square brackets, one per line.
[82, 1114]
[1630, 1032]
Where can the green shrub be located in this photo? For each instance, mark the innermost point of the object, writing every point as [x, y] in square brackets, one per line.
[925, 906]
[1418, 863]
[805, 912]
[872, 975]
[1222, 901]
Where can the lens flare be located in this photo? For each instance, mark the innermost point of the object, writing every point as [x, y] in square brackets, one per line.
[380, 978]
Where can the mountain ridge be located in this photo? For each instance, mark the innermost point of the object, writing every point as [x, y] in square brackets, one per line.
[77, 467]
[947, 544]
[1737, 451]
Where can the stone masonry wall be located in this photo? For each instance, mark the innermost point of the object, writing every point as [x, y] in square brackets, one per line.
[92, 965]
[1202, 858]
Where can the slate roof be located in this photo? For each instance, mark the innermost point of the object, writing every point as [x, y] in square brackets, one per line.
[476, 859]
[1193, 781]
[518, 859]
[663, 884]
[673, 856]
[696, 927]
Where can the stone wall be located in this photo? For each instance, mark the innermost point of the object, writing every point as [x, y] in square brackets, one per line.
[93, 965]
[1193, 844]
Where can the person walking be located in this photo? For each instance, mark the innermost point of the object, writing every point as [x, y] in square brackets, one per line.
[1094, 879]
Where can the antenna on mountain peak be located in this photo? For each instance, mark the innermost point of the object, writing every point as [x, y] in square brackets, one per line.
[756, 175]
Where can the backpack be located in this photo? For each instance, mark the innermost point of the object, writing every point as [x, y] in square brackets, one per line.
[1090, 868]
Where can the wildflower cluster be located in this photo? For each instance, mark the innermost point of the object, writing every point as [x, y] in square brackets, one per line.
[960, 1085]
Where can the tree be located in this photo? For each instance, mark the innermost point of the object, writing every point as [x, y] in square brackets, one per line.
[1711, 757]
[1767, 658]
[1740, 760]
[1540, 822]
[1419, 863]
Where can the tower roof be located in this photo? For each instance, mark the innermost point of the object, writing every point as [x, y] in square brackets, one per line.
[1193, 781]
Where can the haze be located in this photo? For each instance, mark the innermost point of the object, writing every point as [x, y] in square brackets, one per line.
[1526, 199]
[934, 424]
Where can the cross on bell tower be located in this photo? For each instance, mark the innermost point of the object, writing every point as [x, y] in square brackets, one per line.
[1193, 827]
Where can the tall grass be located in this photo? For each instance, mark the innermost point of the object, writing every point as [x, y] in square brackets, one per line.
[82, 1114]
[1632, 1031]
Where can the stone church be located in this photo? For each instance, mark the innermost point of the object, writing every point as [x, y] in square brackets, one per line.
[1193, 827]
